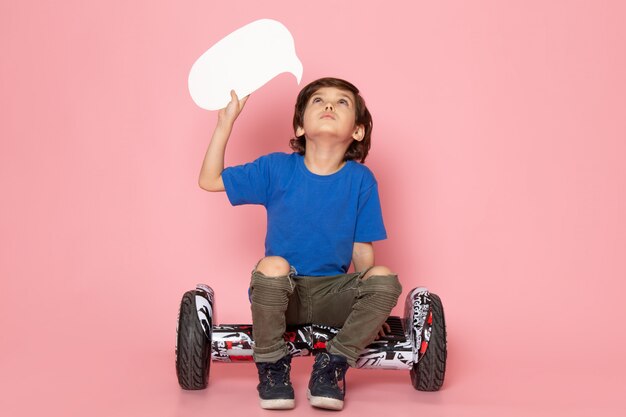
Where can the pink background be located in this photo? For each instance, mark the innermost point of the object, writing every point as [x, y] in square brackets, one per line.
[499, 146]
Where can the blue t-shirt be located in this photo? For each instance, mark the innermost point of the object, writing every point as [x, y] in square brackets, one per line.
[312, 220]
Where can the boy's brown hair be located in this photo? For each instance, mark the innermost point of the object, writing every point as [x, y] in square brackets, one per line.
[358, 149]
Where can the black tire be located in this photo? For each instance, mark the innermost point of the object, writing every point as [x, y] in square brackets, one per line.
[429, 372]
[193, 348]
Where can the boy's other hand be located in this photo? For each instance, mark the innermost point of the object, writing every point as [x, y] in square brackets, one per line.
[384, 329]
[232, 110]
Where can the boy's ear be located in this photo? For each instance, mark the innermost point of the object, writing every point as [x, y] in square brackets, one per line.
[299, 131]
[359, 133]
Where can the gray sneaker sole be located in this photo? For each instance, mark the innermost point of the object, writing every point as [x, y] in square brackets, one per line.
[281, 404]
[324, 402]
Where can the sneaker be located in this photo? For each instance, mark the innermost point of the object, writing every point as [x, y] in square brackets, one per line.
[327, 386]
[275, 390]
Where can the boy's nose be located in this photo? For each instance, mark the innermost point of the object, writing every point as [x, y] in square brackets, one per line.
[329, 106]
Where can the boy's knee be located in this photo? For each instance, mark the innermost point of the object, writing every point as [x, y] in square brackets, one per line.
[377, 271]
[271, 284]
[380, 279]
[273, 266]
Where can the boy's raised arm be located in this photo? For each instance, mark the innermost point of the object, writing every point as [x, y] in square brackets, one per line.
[211, 172]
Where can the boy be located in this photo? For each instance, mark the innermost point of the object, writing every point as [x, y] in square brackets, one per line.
[323, 212]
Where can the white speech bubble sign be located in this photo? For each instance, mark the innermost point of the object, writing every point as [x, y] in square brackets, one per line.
[243, 61]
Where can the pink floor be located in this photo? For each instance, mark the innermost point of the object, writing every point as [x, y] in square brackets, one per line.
[122, 364]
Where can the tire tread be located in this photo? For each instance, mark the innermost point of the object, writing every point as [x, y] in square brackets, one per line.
[193, 350]
[429, 373]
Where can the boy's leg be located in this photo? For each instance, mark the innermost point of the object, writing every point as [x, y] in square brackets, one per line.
[377, 292]
[360, 303]
[270, 288]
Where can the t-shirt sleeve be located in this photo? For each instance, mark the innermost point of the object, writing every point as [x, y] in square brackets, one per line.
[369, 223]
[247, 183]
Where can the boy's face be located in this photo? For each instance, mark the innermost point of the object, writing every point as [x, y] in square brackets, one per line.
[331, 112]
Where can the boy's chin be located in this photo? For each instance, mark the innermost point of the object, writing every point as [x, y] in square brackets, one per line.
[329, 137]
